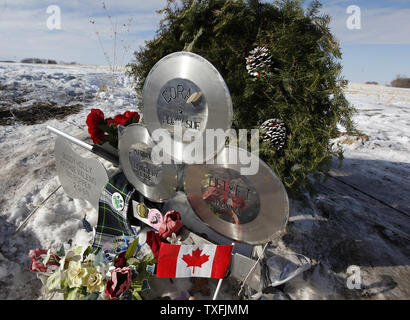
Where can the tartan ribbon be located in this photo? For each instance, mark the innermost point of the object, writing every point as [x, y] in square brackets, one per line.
[113, 223]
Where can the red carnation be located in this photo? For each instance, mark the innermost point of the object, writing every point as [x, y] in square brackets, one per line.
[132, 116]
[120, 119]
[97, 136]
[109, 121]
[94, 118]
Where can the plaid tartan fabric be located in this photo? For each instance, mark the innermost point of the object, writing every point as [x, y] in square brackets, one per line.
[113, 223]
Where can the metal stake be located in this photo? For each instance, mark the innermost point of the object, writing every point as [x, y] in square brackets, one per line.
[220, 282]
[35, 210]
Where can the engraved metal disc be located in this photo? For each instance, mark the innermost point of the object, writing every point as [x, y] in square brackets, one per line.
[81, 178]
[155, 182]
[185, 91]
[253, 209]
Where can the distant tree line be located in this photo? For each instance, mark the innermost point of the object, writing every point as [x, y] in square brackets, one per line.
[39, 61]
[401, 82]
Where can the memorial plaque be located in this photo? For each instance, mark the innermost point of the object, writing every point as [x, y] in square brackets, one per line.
[253, 209]
[185, 90]
[156, 182]
[81, 178]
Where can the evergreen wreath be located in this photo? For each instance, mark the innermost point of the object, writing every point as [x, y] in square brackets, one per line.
[297, 59]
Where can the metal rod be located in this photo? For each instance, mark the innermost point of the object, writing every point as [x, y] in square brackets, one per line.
[78, 142]
[253, 268]
[218, 287]
[98, 150]
[35, 210]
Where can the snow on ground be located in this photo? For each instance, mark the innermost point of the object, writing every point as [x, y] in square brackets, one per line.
[338, 227]
[27, 171]
[342, 226]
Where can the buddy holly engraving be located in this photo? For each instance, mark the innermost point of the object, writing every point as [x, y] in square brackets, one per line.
[79, 172]
[81, 178]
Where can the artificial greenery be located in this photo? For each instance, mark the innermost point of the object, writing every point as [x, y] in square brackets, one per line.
[302, 86]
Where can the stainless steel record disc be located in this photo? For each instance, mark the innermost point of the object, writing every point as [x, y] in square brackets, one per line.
[155, 182]
[253, 209]
[184, 91]
[80, 177]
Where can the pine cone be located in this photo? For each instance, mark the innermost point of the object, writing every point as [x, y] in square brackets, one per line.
[258, 61]
[274, 132]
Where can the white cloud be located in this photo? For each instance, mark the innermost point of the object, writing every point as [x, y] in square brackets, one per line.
[24, 33]
[378, 25]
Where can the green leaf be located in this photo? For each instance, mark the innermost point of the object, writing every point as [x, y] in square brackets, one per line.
[103, 127]
[92, 296]
[72, 294]
[131, 249]
[61, 251]
[86, 252]
[54, 281]
[133, 261]
[136, 285]
[148, 259]
[64, 282]
[136, 295]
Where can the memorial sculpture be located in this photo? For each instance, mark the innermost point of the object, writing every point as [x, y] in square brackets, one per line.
[208, 206]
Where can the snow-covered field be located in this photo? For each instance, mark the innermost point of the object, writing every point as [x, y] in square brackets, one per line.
[339, 227]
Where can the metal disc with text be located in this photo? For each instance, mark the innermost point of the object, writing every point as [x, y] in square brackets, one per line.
[252, 209]
[155, 182]
[81, 178]
[185, 91]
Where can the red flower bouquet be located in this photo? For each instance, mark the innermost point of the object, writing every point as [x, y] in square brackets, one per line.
[106, 130]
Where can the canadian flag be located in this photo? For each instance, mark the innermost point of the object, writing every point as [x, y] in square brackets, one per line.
[183, 261]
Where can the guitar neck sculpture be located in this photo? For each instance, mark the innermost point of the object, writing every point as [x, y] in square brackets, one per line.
[97, 150]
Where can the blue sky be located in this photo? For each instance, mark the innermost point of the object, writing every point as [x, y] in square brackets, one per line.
[378, 51]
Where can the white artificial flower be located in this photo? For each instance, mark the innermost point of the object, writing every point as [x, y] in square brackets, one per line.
[173, 239]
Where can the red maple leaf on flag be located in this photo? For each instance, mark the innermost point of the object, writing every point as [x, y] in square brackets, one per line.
[196, 259]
